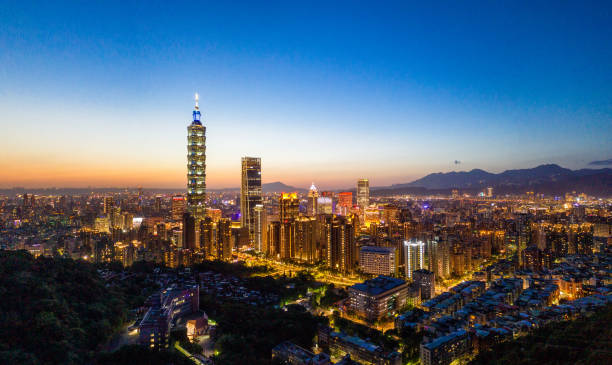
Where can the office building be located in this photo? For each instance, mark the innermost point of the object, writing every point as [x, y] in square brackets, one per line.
[259, 227]
[377, 260]
[108, 205]
[313, 195]
[207, 236]
[371, 215]
[363, 193]
[325, 205]
[289, 206]
[196, 165]
[250, 194]
[224, 239]
[345, 203]
[158, 204]
[378, 297]
[178, 207]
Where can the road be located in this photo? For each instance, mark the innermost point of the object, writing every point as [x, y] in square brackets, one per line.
[280, 268]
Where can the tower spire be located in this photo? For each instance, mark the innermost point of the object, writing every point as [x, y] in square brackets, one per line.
[196, 109]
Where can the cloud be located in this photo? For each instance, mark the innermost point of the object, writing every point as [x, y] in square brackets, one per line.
[601, 163]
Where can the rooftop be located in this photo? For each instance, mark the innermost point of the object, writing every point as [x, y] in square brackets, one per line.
[378, 285]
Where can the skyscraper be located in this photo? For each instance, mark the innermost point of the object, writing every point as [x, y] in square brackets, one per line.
[108, 204]
[426, 280]
[224, 237]
[363, 193]
[341, 244]
[196, 164]
[313, 194]
[345, 203]
[260, 227]
[178, 207]
[414, 254]
[250, 193]
[289, 205]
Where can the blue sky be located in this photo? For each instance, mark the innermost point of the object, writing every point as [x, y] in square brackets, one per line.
[100, 93]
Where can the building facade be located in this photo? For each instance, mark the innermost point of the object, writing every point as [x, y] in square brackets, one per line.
[378, 297]
[363, 193]
[250, 194]
[377, 260]
[196, 164]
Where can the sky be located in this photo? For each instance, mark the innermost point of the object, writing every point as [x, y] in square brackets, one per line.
[100, 93]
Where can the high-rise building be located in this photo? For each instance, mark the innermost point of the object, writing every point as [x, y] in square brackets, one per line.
[250, 193]
[189, 231]
[260, 226]
[363, 193]
[378, 297]
[289, 206]
[207, 236]
[313, 195]
[324, 205]
[426, 280]
[158, 204]
[304, 233]
[377, 260]
[489, 192]
[273, 239]
[108, 205]
[224, 239]
[286, 246]
[345, 202]
[178, 207]
[414, 254]
[341, 243]
[196, 164]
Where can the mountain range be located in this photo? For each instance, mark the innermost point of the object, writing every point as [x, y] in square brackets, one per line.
[548, 179]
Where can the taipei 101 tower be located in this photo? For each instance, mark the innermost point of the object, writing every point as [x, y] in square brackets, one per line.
[196, 164]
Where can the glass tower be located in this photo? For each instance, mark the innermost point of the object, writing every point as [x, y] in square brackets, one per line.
[363, 193]
[196, 164]
[250, 194]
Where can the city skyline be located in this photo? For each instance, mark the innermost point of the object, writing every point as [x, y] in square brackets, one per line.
[355, 97]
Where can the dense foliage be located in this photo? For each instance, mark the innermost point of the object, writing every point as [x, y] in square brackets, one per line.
[375, 336]
[250, 332]
[54, 311]
[586, 340]
[136, 354]
[229, 268]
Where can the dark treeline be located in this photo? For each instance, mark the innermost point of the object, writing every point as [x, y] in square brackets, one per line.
[586, 340]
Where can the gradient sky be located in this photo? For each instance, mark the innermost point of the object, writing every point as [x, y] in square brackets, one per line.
[100, 93]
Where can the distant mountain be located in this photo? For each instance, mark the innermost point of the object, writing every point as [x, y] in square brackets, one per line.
[552, 179]
[279, 187]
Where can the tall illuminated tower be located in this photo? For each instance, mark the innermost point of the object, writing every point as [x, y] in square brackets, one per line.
[250, 193]
[313, 195]
[363, 193]
[196, 164]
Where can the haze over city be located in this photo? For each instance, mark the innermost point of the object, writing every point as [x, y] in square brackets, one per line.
[100, 94]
